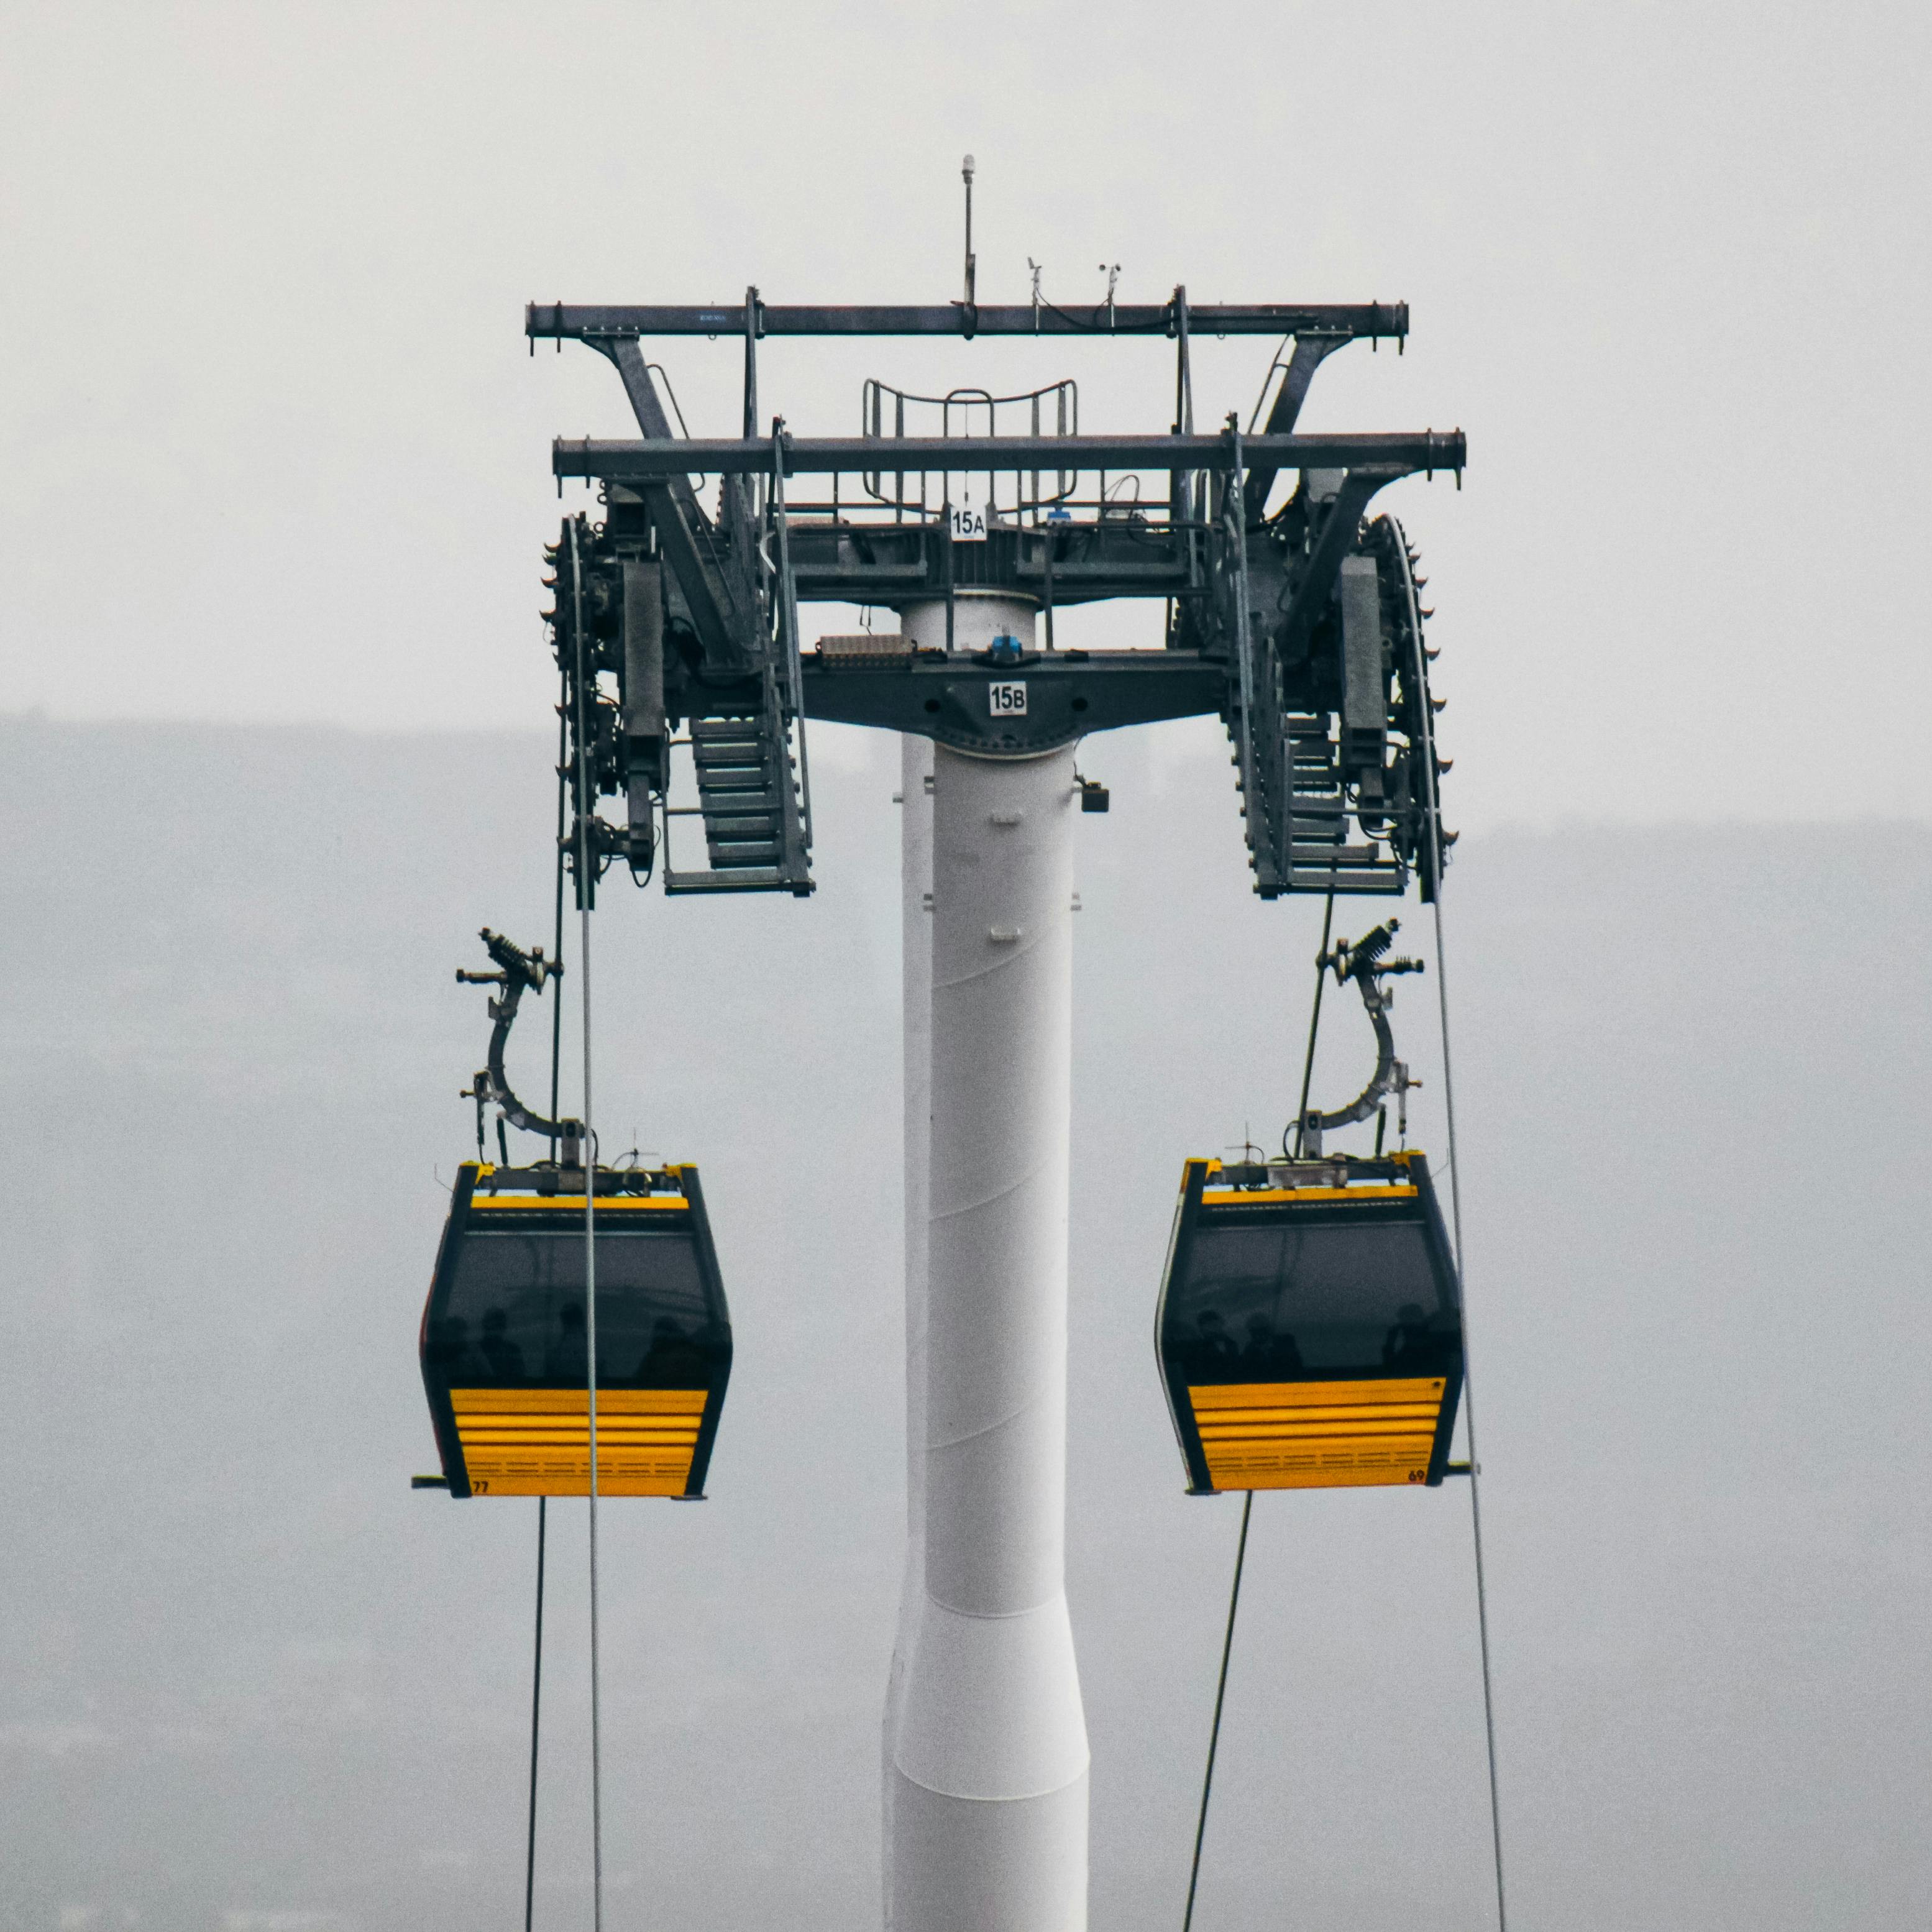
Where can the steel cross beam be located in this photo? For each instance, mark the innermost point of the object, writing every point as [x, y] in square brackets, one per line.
[625, 461]
[1383, 321]
[1070, 694]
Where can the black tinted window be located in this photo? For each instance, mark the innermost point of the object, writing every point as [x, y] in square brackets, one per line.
[1266, 1300]
[515, 1311]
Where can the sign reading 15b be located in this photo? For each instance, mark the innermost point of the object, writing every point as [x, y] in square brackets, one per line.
[969, 523]
[1007, 700]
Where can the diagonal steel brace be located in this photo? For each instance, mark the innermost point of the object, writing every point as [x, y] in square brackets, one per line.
[681, 524]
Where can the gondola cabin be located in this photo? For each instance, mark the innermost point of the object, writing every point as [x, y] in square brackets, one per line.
[1310, 1328]
[503, 1339]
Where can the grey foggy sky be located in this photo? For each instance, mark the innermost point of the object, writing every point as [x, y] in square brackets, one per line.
[274, 451]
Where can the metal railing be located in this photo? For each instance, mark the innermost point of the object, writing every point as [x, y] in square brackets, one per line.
[1053, 411]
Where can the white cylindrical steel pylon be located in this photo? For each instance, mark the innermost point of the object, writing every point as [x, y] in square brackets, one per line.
[988, 1781]
[915, 943]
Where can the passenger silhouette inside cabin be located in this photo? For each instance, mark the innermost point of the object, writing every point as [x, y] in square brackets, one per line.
[1213, 1351]
[1270, 1356]
[568, 1358]
[1412, 1348]
[505, 1358]
[674, 1360]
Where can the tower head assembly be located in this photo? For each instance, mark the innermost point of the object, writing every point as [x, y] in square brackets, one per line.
[1290, 614]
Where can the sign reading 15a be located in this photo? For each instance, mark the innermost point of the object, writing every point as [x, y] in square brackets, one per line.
[969, 523]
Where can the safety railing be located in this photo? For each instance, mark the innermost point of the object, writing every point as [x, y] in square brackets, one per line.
[1053, 411]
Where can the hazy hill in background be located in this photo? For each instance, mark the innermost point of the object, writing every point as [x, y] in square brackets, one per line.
[249, 1682]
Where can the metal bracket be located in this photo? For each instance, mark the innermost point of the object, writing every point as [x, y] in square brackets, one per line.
[1311, 349]
[518, 972]
[1367, 963]
[1339, 528]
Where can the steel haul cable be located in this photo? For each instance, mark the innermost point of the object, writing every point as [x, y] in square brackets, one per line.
[1436, 852]
[584, 888]
[1469, 1427]
[536, 1715]
[1220, 1697]
[1248, 1500]
[1315, 1017]
[543, 1502]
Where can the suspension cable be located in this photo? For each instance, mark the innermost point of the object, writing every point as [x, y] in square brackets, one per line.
[1248, 1500]
[1432, 807]
[557, 914]
[1220, 1697]
[1437, 851]
[585, 887]
[1469, 1426]
[536, 1731]
[1314, 1017]
[543, 1502]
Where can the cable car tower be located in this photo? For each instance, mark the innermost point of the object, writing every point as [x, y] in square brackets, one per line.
[1292, 614]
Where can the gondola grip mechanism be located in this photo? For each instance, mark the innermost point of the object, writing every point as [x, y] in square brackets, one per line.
[518, 972]
[1365, 961]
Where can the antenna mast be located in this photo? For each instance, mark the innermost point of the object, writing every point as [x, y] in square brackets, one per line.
[972, 261]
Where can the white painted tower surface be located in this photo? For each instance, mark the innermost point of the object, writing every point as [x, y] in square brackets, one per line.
[916, 956]
[986, 1798]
